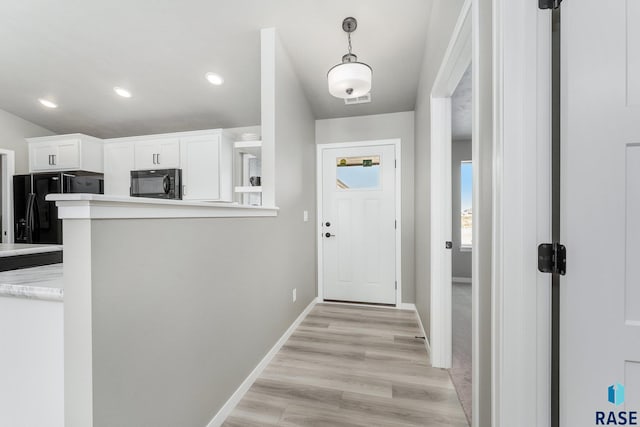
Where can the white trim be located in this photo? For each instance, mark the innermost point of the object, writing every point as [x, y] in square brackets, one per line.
[466, 248]
[99, 206]
[456, 61]
[483, 159]
[424, 334]
[521, 356]
[7, 159]
[237, 396]
[461, 279]
[396, 142]
[407, 306]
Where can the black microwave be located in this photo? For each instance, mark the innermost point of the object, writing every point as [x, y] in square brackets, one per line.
[157, 183]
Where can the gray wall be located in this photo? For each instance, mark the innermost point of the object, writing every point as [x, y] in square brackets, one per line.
[184, 309]
[13, 131]
[385, 126]
[461, 261]
[443, 18]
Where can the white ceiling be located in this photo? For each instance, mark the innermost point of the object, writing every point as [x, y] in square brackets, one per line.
[74, 52]
[461, 106]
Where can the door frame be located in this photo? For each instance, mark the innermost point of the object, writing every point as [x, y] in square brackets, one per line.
[521, 296]
[7, 158]
[396, 143]
[456, 61]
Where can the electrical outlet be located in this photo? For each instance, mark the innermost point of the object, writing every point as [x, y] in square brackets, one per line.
[294, 295]
[305, 216]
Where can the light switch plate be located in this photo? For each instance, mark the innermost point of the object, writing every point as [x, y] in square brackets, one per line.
[305, 216]
[294, 295]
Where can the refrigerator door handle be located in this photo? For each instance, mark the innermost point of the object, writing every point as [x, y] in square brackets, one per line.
[30, 217]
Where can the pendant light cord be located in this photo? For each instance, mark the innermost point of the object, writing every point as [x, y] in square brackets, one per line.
[349, 36]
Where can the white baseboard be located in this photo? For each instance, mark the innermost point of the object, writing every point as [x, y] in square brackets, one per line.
[424, 334]
[407, 306]
[235, 398]
[461, 279]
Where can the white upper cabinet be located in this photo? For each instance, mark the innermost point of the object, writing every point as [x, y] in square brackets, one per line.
[206, 162]
[65, 152]
[162, 153]
[118, 164]
[205, 157]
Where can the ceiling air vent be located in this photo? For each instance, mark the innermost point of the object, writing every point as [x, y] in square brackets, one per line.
[364, 99]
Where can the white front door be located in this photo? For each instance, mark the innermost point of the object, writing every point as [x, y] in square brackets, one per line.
[359, 224]
[600, 209]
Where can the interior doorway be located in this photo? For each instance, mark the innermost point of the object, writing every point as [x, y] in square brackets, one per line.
[454, 303]
[462, 239]
[7, 170]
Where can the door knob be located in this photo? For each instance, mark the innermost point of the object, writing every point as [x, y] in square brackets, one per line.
[328, 224]
[329, 235]
[448, 245]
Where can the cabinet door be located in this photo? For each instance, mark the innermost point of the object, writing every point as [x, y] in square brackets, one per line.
[145, 155]
[118, 164]
[200, 168]
[67, 155]
[41, 156]
[157, 154]
[169, 154]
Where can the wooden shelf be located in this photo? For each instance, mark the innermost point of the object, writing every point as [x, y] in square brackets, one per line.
[248, 144]
[248, 189]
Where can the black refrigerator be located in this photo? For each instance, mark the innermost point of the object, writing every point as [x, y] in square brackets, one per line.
[35, 219]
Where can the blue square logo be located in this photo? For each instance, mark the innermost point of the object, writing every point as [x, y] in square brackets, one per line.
[616, 394]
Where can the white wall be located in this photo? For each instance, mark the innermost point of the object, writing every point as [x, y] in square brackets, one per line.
[13, 131]
[443, 18]
[385, 126]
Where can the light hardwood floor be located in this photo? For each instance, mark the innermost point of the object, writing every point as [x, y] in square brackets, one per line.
[351, 366]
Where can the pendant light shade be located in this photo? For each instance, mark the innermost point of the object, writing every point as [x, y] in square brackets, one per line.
[351, 78]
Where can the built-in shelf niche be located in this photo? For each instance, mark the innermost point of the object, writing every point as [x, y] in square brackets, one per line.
[248, 158]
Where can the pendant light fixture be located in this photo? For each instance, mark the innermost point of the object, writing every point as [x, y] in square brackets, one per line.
[349, 79]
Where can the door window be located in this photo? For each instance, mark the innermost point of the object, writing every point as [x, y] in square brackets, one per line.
[358, 173]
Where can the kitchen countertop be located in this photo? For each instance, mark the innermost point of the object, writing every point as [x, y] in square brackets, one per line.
[44, 283]
[104, 206]
[15, 249]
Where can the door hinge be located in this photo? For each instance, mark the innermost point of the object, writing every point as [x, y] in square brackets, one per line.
[396, 285]
[549, 4]
[395, 224]
[395, 163]
[552, 258]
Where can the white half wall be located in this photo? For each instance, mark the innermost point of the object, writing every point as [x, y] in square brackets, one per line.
[385, 126]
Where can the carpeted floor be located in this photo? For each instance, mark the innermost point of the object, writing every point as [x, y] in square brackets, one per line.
[461, 365]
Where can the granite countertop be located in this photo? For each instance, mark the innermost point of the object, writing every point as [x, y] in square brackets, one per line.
[15, 249]
[44, 283]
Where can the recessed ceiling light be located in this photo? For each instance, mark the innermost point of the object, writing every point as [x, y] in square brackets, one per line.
[122, 92]
[214, 79]
[48, 103]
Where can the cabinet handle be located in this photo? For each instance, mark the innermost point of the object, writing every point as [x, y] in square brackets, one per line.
[154, 158]
[184, 190]
[49, 159]
[54, 159]
[158, 157]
